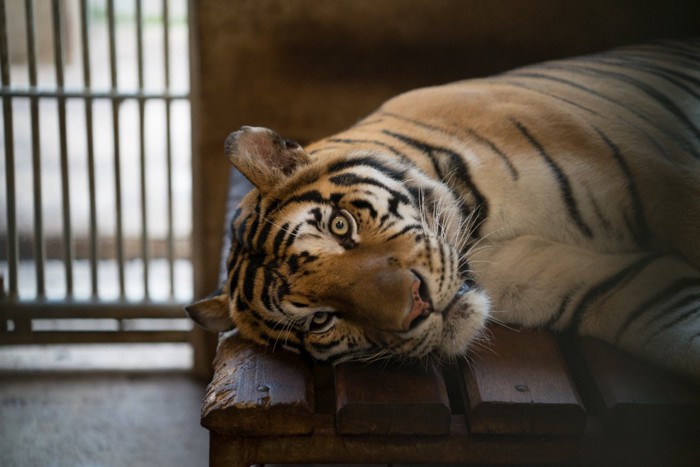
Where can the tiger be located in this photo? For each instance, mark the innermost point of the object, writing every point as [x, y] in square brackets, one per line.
[563, 195]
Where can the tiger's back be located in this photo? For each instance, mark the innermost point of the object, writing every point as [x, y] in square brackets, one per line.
[601, 152]
[562, 195]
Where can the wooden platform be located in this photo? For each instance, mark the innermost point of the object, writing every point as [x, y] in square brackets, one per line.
[529, 398]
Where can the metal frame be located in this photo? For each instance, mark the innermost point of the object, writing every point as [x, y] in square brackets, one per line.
[15, 313]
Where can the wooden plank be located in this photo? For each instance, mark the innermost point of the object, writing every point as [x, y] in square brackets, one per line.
[635, 399]
[520, 386]
[256, 391]
[391, 400]
[326, 446]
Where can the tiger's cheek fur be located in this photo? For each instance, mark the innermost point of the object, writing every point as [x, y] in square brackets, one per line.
[343, 342]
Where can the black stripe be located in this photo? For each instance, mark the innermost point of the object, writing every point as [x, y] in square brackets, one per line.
[234, 256]
[234, 218]
[370, 120]
[363, 204]
[676, 60]
[562, 181]
[403, 231]
[666, 74]
[521, 85]
[659, 149]
[251, 270]
[351, 355]
[279, 237]
[422, 147]
[479, 138]
[554, 319]
[371, 162]
[678, 139]
[606, 286]
[271, 326]
[650, 91]
[249, 241]
[671, 308]
[382, 227]
[324, 347]
[264, 234]
[443, 264]
[679, 50]
[294, 262]
[641, 228]
[392, 149]
[233, 283]
[291, 237]
[350, 179]
[678, 305]
[240, 233]
[663, 295]
[460, 168]
[313, 196]
[603, 222]
[417, 348]
[293, 345]
[268, 281]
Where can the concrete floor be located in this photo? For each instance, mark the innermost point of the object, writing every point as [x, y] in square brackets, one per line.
[100, 405]
[101, 419]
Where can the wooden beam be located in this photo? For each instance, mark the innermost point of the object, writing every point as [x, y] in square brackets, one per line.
[520, 385]
[636, 399]
[257, 391]
[391, 400]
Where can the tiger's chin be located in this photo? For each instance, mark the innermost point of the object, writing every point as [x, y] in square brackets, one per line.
[463, 322]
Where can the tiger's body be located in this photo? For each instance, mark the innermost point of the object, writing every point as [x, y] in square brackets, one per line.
[563, 195]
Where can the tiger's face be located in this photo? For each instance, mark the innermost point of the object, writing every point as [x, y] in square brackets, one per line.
[349, 256]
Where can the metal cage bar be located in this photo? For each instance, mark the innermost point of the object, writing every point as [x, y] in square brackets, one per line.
[142, 150]
[117, 151]
[18, 314]
[168, 149]
[36, 153]
[12, 250]
[89, 134]
[63, 142]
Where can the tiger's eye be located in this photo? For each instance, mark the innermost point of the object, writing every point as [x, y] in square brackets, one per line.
[339, 225]
[320, 317]
[319, 321]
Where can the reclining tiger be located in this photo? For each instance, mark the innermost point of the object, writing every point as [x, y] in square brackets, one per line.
[564, 195]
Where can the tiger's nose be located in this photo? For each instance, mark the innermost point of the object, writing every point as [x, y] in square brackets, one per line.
[421, 304]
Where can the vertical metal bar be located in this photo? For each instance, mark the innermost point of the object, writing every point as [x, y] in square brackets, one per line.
[117, 156]
[63, 142]
[39, 255]
[168, 147]
[142, 148]
[85, 39]
[12, 251]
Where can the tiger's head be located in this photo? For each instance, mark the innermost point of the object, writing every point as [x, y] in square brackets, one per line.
[347, 255]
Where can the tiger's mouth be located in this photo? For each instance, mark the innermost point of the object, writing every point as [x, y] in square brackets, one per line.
[466, 287]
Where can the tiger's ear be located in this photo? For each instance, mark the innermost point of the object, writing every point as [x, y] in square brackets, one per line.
[263, 156]
[212, 312]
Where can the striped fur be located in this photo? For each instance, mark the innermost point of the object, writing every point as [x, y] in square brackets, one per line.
[562, 195]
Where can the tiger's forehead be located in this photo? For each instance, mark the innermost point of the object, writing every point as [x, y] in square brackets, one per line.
[326, 174]
[360, 183]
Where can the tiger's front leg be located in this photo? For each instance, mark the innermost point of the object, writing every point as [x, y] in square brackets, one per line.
[645, 303]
